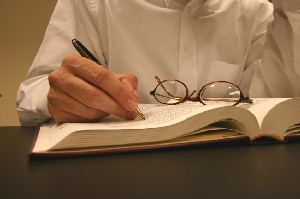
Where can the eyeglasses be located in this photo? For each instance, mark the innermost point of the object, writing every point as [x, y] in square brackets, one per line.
[173, 92]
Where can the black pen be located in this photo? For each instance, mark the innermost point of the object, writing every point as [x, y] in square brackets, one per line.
[84, 52]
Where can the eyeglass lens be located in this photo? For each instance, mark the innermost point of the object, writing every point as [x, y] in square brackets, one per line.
[220, 92]
[170, 92]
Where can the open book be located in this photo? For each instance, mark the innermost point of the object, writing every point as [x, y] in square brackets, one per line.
[173, 126]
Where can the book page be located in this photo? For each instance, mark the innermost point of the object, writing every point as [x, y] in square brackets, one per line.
[294, 129]
[261, 107]
[156, 116]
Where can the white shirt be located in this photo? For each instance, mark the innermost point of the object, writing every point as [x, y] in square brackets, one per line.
[195, 41]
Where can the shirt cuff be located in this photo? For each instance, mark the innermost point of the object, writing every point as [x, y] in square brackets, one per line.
[286, 4]
[32, 101]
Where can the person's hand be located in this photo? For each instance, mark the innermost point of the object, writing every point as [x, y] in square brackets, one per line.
[82, 91]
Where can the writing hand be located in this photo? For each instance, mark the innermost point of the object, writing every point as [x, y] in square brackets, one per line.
[81, 91]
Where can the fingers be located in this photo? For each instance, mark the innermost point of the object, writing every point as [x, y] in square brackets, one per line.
[103, 79]
[130, 81]
[60, 115]
[65, 108]
[81, 90]
[71, 93]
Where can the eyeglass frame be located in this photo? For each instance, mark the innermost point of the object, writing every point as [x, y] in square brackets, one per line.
[243, 99]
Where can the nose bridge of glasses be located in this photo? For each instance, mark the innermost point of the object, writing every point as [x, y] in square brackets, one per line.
[192, 99]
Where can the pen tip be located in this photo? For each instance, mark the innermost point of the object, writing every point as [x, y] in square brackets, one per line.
[139, 113]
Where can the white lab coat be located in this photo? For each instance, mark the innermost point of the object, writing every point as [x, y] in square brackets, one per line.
[195, 41]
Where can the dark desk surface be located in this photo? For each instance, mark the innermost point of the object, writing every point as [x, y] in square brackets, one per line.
[261, 171]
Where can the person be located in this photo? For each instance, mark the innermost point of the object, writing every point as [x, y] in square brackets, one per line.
[251, 43]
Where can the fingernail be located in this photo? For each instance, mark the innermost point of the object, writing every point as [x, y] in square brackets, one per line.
[132, 104]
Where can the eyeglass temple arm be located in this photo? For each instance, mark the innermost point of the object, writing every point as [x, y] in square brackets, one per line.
[159, 82]
[245, 99]
[157, 79]
[189, 98]
[169, 97]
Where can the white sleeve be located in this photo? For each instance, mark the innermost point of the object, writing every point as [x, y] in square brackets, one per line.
[278, 74]
[70, 19]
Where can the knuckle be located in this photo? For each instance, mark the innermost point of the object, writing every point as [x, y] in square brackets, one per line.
[71, 63]
[133, 78]
[52, 96]
[70, 60]
[100, 74]
[53, 78]
[131, 84]
[91, 95]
